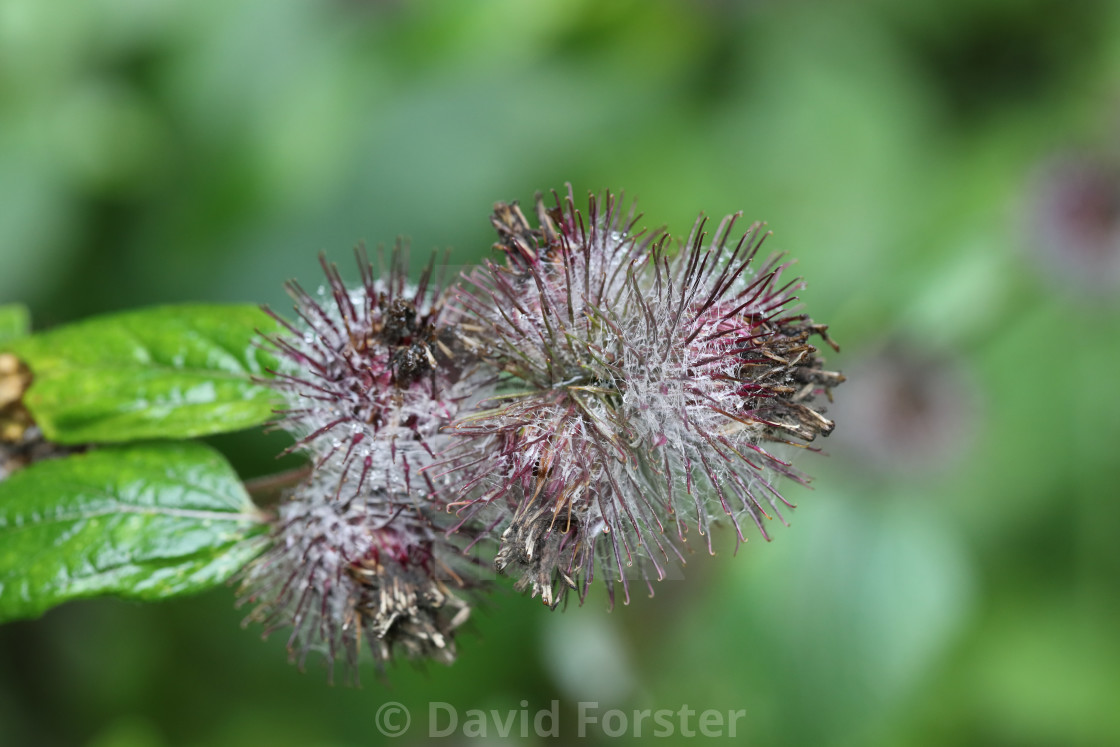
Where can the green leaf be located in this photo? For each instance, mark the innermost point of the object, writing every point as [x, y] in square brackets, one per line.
[147, 521]
[168, 372]
[15, 322]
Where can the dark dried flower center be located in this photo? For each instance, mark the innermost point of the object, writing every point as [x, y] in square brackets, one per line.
[533, 545]
[400, 322]
[409, 339]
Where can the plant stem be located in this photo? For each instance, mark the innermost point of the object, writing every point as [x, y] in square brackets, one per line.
[268, 488]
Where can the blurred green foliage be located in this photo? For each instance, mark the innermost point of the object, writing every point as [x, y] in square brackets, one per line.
[952, 581]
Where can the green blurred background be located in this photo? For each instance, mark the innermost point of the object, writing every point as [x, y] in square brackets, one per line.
[943, 170]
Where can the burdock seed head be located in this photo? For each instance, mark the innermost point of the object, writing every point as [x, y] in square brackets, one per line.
[1073, 216]
[643, 391]
[370, 375]
[372, 568]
